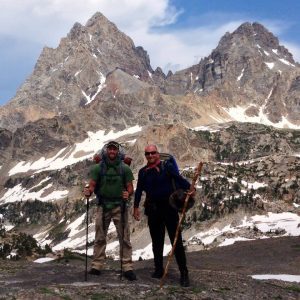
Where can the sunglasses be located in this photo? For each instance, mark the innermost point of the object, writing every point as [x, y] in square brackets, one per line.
[152, 153]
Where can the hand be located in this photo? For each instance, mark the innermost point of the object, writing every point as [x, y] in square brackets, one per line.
[86, 191]
[136, 214]
[125, 195]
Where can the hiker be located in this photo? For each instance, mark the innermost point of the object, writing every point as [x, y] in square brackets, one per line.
[157, 182]
[111, 181]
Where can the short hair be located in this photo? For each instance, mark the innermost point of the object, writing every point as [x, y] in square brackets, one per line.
[113, 144]
[152, 145]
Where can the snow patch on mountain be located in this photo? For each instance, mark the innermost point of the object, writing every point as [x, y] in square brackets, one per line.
[253, 185]
[18, 193]
[241, 75]
[231, 241]
[92, 97]
[270, 65]
[286, 62]
[72, 154]
[76, 239]
[43, 260]
[283, 277]
[265, 223]
[238, 113]
[147, 253]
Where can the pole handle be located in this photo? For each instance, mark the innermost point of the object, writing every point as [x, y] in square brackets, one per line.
[87, 237]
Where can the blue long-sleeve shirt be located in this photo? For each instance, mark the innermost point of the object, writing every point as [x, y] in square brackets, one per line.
[158, 185]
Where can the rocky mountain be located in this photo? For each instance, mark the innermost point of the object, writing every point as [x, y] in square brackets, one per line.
[72, 75]
[237, 110]
[248, 69]
[99, 78]
[248, 167]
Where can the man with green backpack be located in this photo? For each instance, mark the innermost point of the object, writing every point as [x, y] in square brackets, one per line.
[111, 181]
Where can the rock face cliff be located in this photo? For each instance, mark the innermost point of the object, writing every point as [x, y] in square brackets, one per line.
[248, 68]
[72, 75]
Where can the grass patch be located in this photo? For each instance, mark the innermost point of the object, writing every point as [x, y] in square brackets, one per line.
[293, 288]
[296, 246]
[71, 255]
[221, 289]
[225, 288]
[45, 290]
[48, 291]
[197, 289]
[66, 297]
[173, 289]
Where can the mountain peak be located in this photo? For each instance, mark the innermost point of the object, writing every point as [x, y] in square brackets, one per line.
[97, 18]
[247, 64]
[253, 35]
[98, 22]
[75, 31]
[257, 34]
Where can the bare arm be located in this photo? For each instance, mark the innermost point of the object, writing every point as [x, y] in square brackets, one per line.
[129, 191]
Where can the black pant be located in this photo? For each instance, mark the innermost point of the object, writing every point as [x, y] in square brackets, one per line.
[161, 216]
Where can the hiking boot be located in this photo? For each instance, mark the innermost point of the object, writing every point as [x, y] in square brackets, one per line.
[129, 275]
[184, 279]
[94, 271]
[158, 273]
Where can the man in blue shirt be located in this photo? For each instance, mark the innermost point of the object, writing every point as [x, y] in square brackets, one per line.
[157, 182]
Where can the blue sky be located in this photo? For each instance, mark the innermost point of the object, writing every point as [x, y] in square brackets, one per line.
[176, 33]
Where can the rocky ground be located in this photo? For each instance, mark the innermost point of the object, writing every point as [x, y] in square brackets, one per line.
[220, 273]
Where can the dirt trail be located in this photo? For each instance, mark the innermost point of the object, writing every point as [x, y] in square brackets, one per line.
[221, 273]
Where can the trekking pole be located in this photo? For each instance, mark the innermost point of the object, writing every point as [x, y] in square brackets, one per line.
[186, 200]
[87, 235]
[123, 207]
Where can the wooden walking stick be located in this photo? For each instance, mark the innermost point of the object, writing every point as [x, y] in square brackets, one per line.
[186, 200]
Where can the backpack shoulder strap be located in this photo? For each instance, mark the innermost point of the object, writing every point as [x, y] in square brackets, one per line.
[122, 167]
[169, 160]
[103, 168]
[166, 165]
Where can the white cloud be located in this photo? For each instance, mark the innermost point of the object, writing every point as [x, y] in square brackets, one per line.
[278, 28]
[46, 21]
[178, 49]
